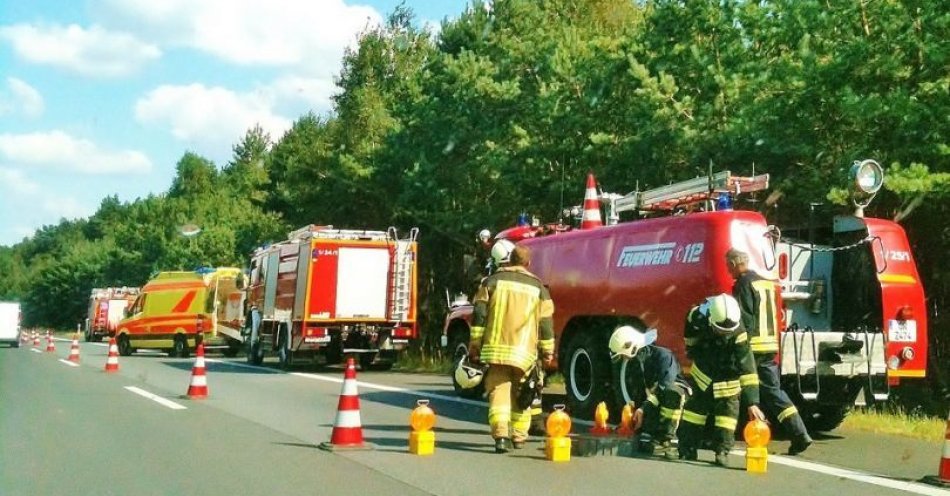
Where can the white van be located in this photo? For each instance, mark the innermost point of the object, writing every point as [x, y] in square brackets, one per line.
[10, 323]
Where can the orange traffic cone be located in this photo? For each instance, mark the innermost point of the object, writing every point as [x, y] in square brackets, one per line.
[943, 475]
[36, 339]
[347, 429]
[50, 346]
[591, 218]
[74, 350]
[198, 389]
[112, 362]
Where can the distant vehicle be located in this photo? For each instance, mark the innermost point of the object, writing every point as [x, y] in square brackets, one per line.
[327, 292]
[10, 323]
[176, 310]
[106, 308]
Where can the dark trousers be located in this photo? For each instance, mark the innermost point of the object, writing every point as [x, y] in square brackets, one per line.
[700, 406]
[775, 402]
[661, 419]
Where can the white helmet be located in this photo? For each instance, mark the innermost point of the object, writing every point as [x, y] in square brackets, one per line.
[483, 236]
[501, 252]
[626, 341]
[468, 376]
[723, 313]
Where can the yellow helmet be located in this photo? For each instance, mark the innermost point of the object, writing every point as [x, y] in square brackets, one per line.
[468, 376]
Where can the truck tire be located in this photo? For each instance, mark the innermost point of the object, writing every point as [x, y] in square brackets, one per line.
[180, 349]
[122, 342]
[252, 339]
[587, 373]
[285, 357]
[234, 346]
[825, 418]
[627, 385]
[255, 354]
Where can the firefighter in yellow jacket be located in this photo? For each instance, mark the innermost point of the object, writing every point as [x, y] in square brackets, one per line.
[511, 324]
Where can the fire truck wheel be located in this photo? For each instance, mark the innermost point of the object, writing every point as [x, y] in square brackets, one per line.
[284, 356]
[255, 355]
[125, 347]
[626, 381]
[587, 376]
[234, 346]
[825, 418]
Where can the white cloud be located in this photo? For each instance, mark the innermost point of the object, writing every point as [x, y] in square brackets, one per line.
[210, 118]
[20, 98]
[15, 182]
[90, 52]
[64, 207]
[59, 150]
[291, 91]
[308, 35]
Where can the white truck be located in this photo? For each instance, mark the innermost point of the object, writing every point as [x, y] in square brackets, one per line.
[10, 323]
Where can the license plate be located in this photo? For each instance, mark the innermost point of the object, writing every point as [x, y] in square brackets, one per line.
[317, 340]
[902, 331]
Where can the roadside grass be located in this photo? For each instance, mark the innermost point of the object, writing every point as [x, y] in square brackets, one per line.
[423, 362]
[896, 421]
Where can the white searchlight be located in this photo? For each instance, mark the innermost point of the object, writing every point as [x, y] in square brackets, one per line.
[866, 177]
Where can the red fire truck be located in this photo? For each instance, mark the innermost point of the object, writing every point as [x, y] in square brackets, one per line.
[327, 292]
[854, 314]
[106, 308]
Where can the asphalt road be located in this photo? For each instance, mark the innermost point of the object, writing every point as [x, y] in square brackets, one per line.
[77, 430]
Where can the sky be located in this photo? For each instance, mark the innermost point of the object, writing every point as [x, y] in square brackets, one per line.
[102, 97]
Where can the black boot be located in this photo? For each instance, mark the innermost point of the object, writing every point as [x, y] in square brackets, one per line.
[501, 445]
[799, 444]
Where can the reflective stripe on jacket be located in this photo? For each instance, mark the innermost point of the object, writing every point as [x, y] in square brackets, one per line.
[513, 318]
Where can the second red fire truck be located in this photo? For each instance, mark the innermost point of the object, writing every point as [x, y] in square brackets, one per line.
[326, 292]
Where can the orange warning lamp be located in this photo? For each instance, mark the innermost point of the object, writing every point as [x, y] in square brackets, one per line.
[558, 423]
[600, 419]
[757, 434]
[422, 439]
[626, 420]
[557, 446]
[422, 417]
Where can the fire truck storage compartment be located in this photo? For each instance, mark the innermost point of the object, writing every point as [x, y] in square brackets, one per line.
[348, 282]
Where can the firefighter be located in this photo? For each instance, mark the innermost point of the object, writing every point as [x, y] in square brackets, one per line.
[723, 369]
[511, 323]
[757, 301]
[659, 387]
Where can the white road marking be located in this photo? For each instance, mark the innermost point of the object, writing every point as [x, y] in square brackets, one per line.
[156, 398]
[67, 362]
[855, 475]
[34, 350]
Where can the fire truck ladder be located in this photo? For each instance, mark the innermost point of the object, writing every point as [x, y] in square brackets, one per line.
[402, 274]
[800, 364]
[683, 193]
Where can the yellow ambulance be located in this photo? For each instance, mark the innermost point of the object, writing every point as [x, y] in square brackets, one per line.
[176, 310]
